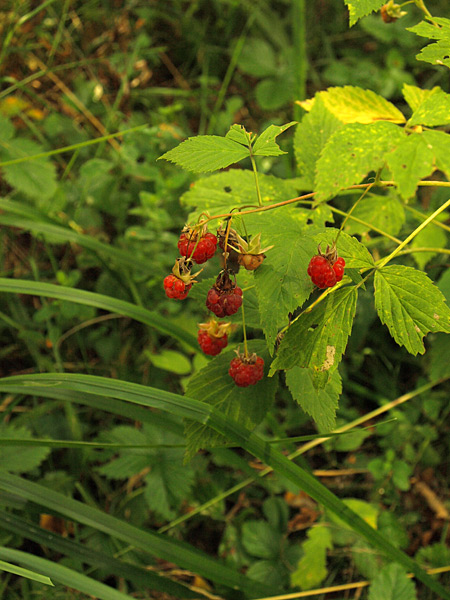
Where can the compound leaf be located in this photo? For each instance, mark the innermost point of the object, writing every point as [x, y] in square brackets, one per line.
[351, 153]
[433, 111]
[392, 583]
[318, 338]
[311, 135]
[437, 53]
[265, 144]
[214, 386]
[352, 104]
[320, 404]
[410, 305]
[311, 569]
[412, 160]
[205, 153]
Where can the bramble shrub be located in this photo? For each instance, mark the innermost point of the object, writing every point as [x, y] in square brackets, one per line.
[292, 270]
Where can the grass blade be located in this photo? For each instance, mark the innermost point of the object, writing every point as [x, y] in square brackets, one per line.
[151, 318]
[9, 568]
[193, 409]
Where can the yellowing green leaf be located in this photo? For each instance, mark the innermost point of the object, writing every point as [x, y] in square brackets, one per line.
[410, 305]
[311, 570]
[351, 104]
[433, 111]
[351, 153]
[415, 96]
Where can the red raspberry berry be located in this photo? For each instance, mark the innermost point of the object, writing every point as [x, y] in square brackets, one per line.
[246, 371]
[326, 269]
[176, 288]
[224, 302]
[211, 345]
[200, 251]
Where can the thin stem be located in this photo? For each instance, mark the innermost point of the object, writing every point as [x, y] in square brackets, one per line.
[410, 237]
[355, 205]
[258, 191]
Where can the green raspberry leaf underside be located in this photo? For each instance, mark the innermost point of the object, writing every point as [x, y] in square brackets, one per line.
[318, 338]
[437, 53]
[361, 8]
[410, 162]
[221, 192]
[265, 144]
[206, 153]
[392, 583]
[214, 386]
[311, 570]
[311, 135]
[352, 153]
[410, 305]
[320, 404]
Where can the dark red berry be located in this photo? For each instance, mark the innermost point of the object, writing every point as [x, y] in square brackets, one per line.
[246, 371]
[326, 269]
[211, 345]
[224, 302]
[176, 288]
[200, 251]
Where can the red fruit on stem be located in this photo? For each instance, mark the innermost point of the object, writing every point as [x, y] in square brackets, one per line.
[176, 288]
[225, 297]
[326, 269]
[211, 345]
[200, 249]
[246, 371]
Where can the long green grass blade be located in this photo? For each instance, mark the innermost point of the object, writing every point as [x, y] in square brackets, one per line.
[64, 235]
[141, 577]
[49, 443]
[193, 409]
[155, 544]
[64, 575]
[151, 318]
[9, 568]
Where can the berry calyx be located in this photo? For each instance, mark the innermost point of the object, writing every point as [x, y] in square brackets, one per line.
[225, 297]
[391, 11]
[246, 370]
[178, 284]
[250, 253]
[326, 268]
[197, 243]
[212, 336]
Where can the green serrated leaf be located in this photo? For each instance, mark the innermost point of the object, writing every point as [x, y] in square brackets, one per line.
[282, 282]
[38, 178]
[24, 458]
[434, 556]
[311, 570]
[382, 212]
[6, 130]
[437, 53]
[415, 96]
[410, 162]
[430, 237]
[318, 338]
[320, 404]
[311, 135]
[168, 483]
[410, 305]
[214, 386]
[439, 142]
[239, 134]
[351, 153]
[361, 8]
[261, 540]
[354, 253]
[265, 144]
[392, 583]
[206, 153]
[221, 192]
[433, 111]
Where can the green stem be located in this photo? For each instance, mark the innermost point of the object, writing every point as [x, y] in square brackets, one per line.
[258, 191]
[355, 205]
[410, 237]
[300, 58]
